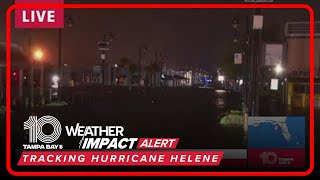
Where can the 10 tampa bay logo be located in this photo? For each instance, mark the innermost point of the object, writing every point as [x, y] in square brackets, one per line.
[37, 138]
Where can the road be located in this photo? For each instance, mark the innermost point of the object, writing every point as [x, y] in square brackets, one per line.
[189, 114]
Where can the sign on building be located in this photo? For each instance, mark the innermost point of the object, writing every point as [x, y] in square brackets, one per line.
[257, 22]
[237, 58]
[103, 45]
[91, 78]
[273, 54]
[274, 84]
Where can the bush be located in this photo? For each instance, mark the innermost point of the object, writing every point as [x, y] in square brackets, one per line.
[232, 119]
[57, 104]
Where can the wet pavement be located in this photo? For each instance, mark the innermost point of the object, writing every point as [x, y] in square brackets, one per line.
[189, 114]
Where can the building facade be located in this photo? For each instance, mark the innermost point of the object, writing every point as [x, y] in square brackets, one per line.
[298, 64]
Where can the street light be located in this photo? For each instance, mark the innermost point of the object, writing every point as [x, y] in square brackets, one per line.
[235, 25]
[221, 78]
[38, 55]
[55, 86]
[278, 69]
[104, 46]
[55, 79]
[68, 22]
[235, 22]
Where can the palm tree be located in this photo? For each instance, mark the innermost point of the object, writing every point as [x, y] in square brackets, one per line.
[148, 69]
[154, 69]
[132, 69]
[124, 63]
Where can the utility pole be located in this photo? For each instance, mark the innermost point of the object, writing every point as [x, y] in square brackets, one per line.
[60, 53]
[256, 44]
[244, 63]
[31, 71]
[42, 98]
[68, 22]
[155, 68]
[103, 58]
[104, 47]
[139, 77]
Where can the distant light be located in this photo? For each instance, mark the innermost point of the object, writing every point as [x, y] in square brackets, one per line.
[65, 65]
[162, 76]
[14, 74]
[240, 82]
[221, 78]
[220, 91]
[115, 65]
[278, 69]
[55, 79]
[25, 77]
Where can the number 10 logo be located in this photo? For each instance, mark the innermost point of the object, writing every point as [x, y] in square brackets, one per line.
[35, 129]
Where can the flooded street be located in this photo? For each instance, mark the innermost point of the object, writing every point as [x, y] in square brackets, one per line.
[193, 115]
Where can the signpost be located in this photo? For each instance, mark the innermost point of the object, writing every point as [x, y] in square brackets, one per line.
[274, 84]
[237, 58]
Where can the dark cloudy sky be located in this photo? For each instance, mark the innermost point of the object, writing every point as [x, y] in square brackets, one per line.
[189, 37]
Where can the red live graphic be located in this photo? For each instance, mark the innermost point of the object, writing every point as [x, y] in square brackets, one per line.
[39, 17]
[120, 158]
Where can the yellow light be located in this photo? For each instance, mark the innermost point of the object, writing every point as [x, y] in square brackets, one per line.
[38, 54]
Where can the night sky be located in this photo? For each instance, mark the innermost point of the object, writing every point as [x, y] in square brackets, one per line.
[193, 37]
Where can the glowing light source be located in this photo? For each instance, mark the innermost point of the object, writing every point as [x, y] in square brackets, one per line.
[221, 78]
[240, 82]
[38, 54]
[55, 79]
[278, 69]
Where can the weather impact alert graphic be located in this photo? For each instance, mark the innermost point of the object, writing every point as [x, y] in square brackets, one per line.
[119, 150]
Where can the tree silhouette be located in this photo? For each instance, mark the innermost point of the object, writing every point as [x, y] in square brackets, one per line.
[124, 63]
[132, 69]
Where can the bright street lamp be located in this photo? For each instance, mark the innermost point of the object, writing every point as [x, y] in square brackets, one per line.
[240, 82]
[38, 54]
[278, 69]
[221, 78]
[55, 79]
